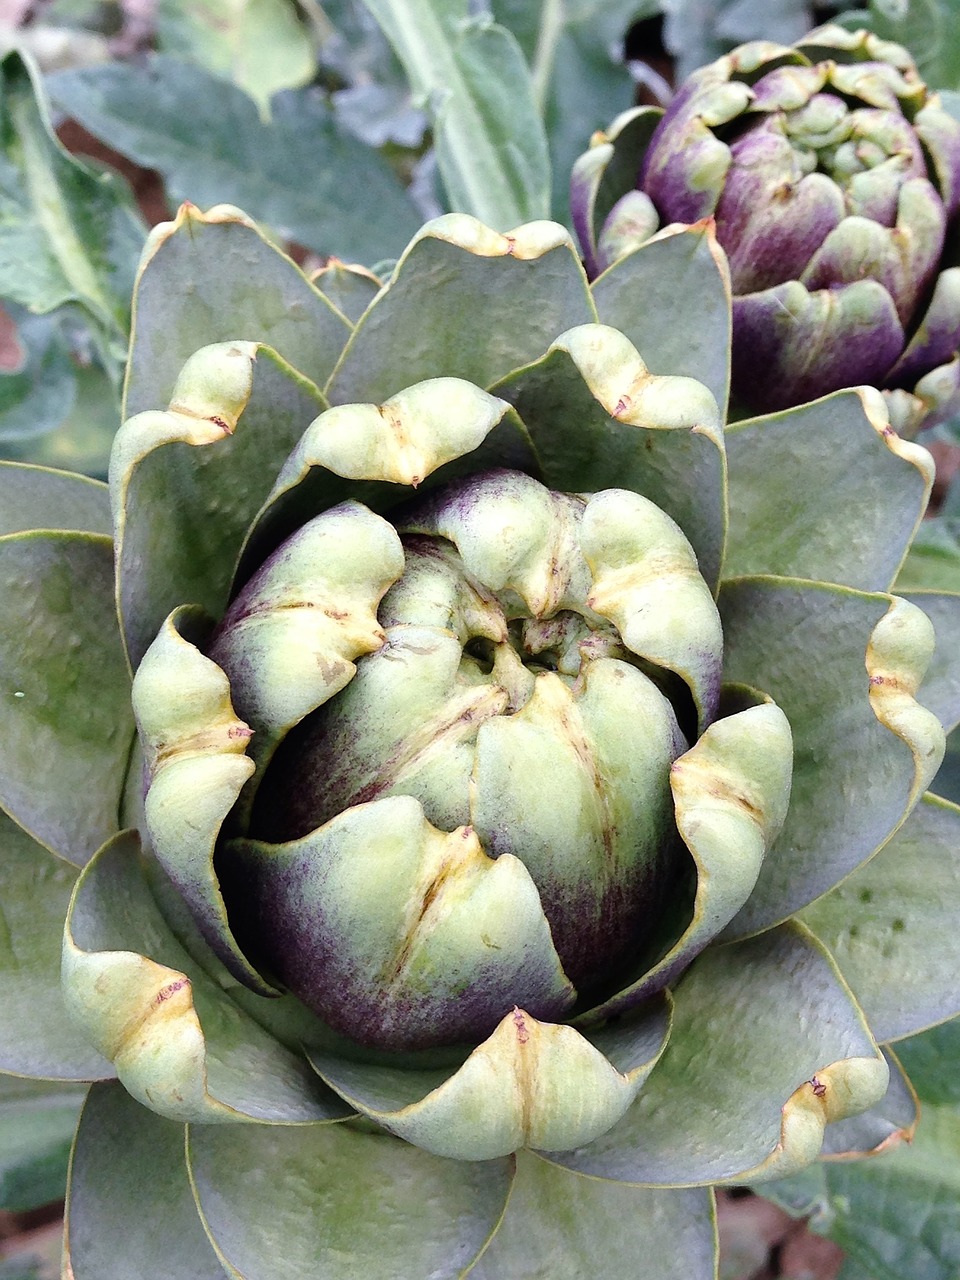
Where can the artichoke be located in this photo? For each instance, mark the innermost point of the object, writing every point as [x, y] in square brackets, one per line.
[480, 864]
[833, 178]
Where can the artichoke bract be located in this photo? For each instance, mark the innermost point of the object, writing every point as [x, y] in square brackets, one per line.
[833, 178]
[479, 789]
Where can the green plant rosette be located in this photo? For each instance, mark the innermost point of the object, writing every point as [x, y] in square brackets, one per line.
[461, 802]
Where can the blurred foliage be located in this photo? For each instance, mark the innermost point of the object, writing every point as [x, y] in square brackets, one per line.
[37, 1122]
[897, 1215]
[926, 27]
[338, 124]
[697, 31]
[259, 45]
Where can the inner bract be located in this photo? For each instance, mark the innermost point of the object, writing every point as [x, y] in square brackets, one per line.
[508, 705]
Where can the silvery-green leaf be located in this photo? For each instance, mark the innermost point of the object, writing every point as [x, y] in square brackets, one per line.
[301, 174]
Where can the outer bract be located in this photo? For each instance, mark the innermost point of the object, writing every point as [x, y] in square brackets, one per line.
[833, 178]
[494, 811]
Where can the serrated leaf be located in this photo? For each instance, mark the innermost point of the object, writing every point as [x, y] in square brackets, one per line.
[258, 44]
[489, 138]
[67, 234]
[302, 174]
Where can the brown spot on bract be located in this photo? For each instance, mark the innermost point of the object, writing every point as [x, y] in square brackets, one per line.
[746, 803]
[818, 1087]
[523, 1035]
[221, 423]
[170, 989]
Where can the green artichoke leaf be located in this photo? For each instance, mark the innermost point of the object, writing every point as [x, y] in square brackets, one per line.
[426, 434]
[731, 791]
[671, 298]
[610, 167]
[489, 136]
[767, 1047]
[38, 389]
[891, 1121]
[565, 1226]
[213, 277]
[186, 481]
[930, 1058]
[858, 515]
[68, 717]
[350, 287]
[940, 690]
[933, 562]
[39, 498]
[128, 1166]
[598, 418]
[334, 1202]
[37, 1037]
[471, 303]
[68, 234]
[529, 1084]
[37, 1124]
[845, 666]
[179, 1044]
[891, 925]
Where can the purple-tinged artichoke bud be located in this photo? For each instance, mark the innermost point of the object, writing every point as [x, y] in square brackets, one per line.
[832, 176]
[506, 706]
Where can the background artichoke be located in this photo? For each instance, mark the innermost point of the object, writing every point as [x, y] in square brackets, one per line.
[833, 176]
[500, 735]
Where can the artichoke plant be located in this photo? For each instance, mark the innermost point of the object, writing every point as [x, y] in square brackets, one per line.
[461, 802]
[833, 176]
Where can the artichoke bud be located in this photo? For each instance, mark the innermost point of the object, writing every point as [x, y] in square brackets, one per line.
[839, 129]
[510, 719]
